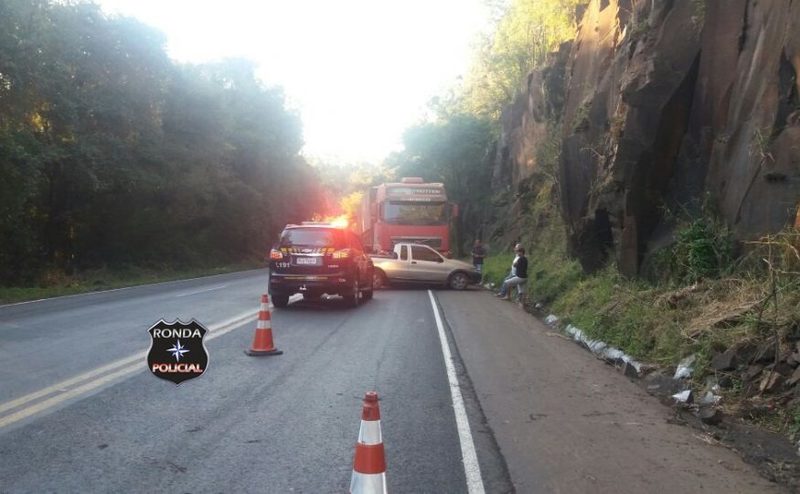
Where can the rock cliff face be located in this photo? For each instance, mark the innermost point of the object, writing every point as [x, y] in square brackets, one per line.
[525, 121]
[666, 105]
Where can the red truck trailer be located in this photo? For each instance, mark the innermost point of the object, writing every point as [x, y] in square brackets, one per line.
[407, 211]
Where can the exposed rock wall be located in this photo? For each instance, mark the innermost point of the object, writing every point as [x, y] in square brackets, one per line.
[666, 104]
[524, 123]
[748, 105]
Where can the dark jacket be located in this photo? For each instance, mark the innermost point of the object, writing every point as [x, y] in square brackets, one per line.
[522, 267]
[478, 254]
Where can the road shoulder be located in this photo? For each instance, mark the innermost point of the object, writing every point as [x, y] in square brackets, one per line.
[566, 422]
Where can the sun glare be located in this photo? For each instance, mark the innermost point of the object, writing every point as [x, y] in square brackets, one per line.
[359, 72]
[339, 221]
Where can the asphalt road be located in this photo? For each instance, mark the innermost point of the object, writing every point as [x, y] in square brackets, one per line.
[278, 424]
[476, 396]
[45, 341]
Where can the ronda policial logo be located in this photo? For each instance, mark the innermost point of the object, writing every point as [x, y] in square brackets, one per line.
[177, 351]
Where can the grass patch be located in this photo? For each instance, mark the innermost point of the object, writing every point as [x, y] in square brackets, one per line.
[56, 284]
[496, 268]
[663, 321]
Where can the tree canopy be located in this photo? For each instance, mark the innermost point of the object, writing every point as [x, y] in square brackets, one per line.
[110, 153]
[454, 146]
[525, 33]
[452, 151]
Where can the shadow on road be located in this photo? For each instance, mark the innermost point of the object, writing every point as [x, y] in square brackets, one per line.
[337, 303]
[324, 303]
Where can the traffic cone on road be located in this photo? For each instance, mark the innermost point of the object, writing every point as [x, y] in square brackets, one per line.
[369, 463]
[262, 341]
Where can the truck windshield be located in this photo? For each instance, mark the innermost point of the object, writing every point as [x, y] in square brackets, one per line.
[415, 213]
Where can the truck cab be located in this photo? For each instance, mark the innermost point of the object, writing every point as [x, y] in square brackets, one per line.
[409, 211]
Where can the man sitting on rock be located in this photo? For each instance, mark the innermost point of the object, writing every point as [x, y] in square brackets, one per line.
[518, 277]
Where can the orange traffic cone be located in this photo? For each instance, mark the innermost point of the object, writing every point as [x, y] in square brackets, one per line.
[262, 341]
[369, 463]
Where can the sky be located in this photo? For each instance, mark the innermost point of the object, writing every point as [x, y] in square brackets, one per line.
[358, 71]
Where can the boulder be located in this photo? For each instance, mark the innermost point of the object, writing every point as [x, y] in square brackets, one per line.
[630, 371]
[771, 382]
[752, 372]
[745, 352]
[725, 361]
[781, 368]
[710, 415]
[725, 382]
[662, 385]
[765, 352]
[794, 378]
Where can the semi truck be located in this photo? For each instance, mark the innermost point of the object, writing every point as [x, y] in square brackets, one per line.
[411, 211]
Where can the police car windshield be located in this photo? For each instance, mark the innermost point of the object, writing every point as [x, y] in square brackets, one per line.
[313, 237]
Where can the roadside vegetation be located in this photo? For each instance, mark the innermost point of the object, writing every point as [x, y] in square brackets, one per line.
[57, 284]
[113, 158]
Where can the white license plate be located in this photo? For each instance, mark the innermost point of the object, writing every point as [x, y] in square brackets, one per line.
[306, 260]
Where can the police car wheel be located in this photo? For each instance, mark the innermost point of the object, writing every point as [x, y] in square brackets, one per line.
[354, 297]
[369, 292]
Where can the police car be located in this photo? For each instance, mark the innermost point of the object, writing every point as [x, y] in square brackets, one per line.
[319, 258]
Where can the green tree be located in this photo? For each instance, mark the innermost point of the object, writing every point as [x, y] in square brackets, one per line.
[451, 151]
[524, 35]
[110, 154]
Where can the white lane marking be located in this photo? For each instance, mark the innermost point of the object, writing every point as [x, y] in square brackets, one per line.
[70, 296]
[472, 468]
[118, 369]
[195, 292]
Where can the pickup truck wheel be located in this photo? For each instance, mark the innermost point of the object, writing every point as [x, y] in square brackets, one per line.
[378, 279]
[458, 281]
[280, 300]
[355, 296]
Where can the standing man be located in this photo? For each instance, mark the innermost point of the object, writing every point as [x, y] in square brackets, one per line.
[478, 253]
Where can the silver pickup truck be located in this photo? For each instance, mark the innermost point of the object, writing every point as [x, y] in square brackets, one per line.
[416, 263]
